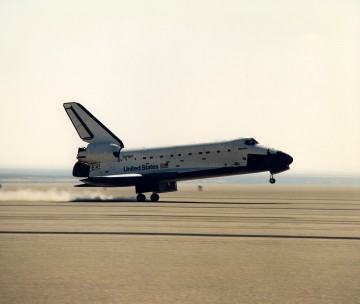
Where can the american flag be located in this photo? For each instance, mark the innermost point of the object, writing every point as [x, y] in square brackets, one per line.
[164, 165]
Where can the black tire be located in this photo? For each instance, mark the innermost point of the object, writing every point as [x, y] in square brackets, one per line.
[141, 197]
[272, 180]
[154, 197]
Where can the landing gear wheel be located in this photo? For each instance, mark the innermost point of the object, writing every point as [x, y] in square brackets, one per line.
[272, 180]
[141, 197]
[154, 197]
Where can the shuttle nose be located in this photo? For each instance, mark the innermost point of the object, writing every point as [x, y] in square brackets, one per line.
[279, 162]
[284, 158]
[290, 159]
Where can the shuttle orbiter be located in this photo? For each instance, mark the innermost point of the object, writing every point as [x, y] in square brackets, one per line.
[105, 162]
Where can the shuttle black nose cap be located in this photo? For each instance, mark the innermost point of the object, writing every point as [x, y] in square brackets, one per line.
[290, 159]
[285, 158]
[279, 162]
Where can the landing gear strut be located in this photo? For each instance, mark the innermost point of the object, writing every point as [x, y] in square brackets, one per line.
[141, 197]
[154, 197]
[272, 180]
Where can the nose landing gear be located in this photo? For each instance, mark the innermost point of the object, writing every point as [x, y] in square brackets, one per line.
[272, 180]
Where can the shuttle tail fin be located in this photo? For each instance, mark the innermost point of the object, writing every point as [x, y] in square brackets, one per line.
[89, 128]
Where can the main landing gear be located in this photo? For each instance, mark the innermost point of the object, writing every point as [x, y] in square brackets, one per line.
[272, 180]
[154, 197]
[141, 197]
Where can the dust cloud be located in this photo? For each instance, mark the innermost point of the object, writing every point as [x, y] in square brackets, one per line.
[55, 195]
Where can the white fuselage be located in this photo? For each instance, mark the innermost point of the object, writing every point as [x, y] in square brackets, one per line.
[182, 159]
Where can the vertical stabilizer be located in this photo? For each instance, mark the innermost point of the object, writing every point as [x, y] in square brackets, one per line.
[89, 128]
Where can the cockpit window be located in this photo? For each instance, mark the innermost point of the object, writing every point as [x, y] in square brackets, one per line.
[250, 142]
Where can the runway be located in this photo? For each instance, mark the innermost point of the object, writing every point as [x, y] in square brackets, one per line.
[225, 244]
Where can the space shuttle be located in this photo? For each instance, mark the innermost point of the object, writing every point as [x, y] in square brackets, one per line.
[105, 162]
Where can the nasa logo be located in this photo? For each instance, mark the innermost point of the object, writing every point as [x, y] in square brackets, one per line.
[128, 156]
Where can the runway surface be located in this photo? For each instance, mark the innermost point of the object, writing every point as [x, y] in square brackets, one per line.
[225, 244]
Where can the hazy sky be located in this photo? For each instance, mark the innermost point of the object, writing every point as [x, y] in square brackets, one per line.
[174, 72]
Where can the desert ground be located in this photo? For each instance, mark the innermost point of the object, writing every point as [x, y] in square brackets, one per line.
[224, 244]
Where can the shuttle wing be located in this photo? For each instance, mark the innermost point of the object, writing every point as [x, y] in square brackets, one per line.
[89, 128]
[123, 180]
